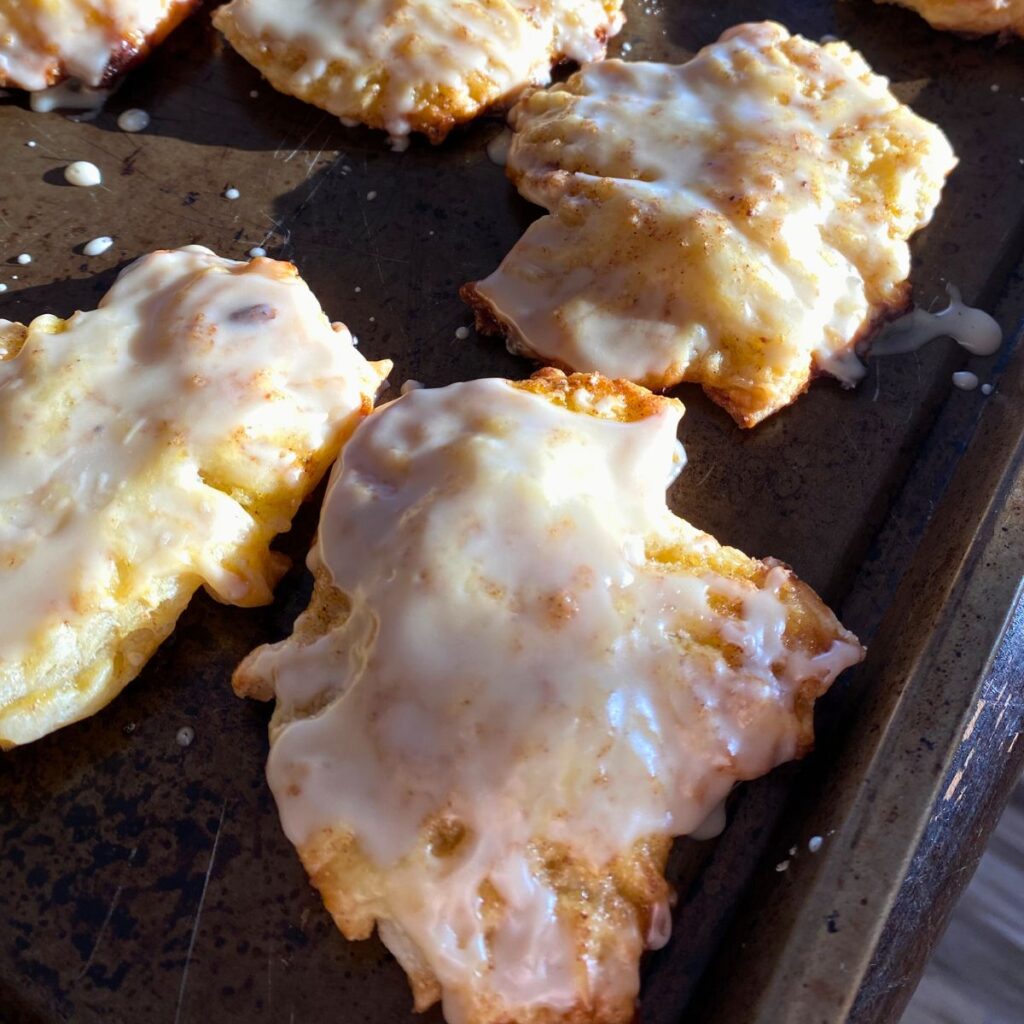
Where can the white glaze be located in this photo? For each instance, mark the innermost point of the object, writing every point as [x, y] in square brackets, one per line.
[69, 95]
[499, 146]
[133, 120]
[44, 41]
[513, 661]
[719, 221]
[426, 44]
[83, 174]
[713, 825]
[97, 246]
[973, 17]
[109, 420]
[972, 329]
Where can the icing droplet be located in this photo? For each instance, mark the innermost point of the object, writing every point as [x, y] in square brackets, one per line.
[713, 825]
[972, 329]
[83, 174]
[257, 250]
[987, 389]
[782, 866]
[31, 143]
[965, 380]
[462, 333]
[844, 366]
[69, 95]
[498, 147]
[371, 196]
[254, 94]
[3, 287]
[231, 193]
[814, 843]
[133, 120]
[186, 734]
[98, 246]
[24, 259]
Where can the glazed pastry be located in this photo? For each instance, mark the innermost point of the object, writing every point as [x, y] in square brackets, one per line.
[152, 446]
[972, 17]
[519, 677]
[43, 42]
[414, 65]
[739, 221]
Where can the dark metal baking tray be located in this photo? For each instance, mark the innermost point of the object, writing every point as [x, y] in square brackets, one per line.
[144, 881]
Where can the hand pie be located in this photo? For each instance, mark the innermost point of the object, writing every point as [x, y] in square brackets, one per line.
[42, 42]
[739, 221]
[519, 677]
[414, 65]
[972, 17]
[152, 446]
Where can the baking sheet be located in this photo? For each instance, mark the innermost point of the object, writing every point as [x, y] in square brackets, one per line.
[140, 880]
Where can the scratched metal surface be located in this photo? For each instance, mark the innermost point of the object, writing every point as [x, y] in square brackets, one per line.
[143, 881]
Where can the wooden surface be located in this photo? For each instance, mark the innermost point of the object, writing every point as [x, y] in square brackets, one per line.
[976, 975]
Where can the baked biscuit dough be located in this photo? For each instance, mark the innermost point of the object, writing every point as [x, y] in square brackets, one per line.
[972, 17]
[519, 677]
[42, 42]
[414, 65]
[739, 221]
[152, 446]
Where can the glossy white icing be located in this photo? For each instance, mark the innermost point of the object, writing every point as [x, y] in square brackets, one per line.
[97, 246]
[424, 45]
[972, 329]
[41, 40]
[133, 120]
[726, 221]
[965, 380]
[69, 95]
[83, 173]
[514, 662]
[130, 408]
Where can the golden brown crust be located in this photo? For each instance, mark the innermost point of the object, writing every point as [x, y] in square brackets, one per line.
[391, 90]
[683, 245]
[970, 17]
[131, 48]
[609, 910]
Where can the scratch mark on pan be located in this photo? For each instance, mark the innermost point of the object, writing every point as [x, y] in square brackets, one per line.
[312, 163]
[106, 921]
[305, 139]
[974, 720]
[199, 914]
[370, 245]
[100, 933]
[270, 978]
